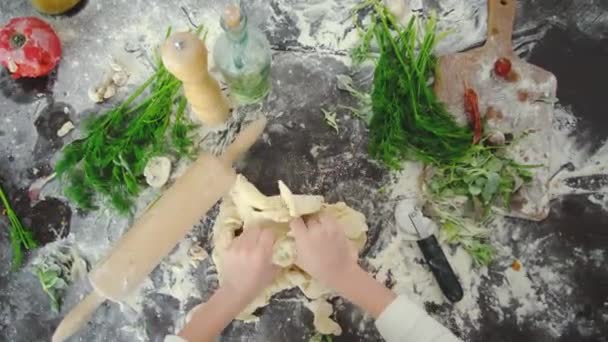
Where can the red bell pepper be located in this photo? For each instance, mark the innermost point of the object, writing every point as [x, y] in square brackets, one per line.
[471, 106]
[29, 47]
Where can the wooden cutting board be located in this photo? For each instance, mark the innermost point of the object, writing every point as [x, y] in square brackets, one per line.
[521, 105]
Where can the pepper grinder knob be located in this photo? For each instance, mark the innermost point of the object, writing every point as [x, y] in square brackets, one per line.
[185, 56]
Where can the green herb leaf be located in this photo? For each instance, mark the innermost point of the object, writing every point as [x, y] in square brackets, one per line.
[331, 120]
[474, 189]
[48, 281]
[482, 253]
[494, 165]
[19, 236]
[491, 187]
[480, 181]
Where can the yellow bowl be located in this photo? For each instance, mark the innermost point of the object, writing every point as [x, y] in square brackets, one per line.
[54, 6]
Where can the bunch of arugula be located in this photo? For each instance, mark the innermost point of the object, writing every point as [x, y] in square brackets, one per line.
[462, 230]
[56, 269]
[19, 236]
[51, 284]
[485, 178]
[109, 161]
[484, 175]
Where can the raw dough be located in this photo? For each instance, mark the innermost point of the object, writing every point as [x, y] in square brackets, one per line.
[245, 207]
[67, 127]
[322, 311]
[109, 86]
[157, 171]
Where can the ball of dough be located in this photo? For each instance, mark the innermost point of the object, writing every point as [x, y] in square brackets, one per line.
[246, 206]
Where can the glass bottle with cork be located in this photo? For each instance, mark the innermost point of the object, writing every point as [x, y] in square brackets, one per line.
[242, 54]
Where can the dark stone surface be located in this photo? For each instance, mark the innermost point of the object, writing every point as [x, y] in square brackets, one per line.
[574, 226]
[572, 229]
[49, 121]
[26, 90]
[579, 63]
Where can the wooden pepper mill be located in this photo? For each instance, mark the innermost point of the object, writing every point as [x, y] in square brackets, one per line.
[185, 56]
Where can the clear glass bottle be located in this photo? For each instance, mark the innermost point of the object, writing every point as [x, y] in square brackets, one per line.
[242, 54]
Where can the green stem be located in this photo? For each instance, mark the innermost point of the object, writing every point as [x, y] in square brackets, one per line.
[18, 40]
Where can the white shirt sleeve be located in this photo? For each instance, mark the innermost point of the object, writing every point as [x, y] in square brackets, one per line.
[401, 321]
[404, 321]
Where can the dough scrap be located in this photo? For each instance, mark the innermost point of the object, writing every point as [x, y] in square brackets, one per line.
[245, 206]
[300, 205]
[157, 171]
[322, 311]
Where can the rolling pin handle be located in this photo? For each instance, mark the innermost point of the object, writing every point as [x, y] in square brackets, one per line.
[243, 142]
[77, 317]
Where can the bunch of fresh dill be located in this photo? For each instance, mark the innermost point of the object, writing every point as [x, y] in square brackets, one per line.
[409, 121]
[19, 236]
[109, 161]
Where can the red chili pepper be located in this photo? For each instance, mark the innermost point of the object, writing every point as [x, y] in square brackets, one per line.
[502, 67]
[29, 47]
[471, 106]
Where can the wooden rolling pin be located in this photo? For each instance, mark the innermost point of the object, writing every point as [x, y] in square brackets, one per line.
[160, 229]
[185, 56]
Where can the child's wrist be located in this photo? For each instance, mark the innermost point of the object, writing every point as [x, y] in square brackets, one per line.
[360, 287]
[348, 277]
[232, 301]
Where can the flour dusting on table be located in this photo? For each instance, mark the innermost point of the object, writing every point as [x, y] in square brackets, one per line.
[529, 292]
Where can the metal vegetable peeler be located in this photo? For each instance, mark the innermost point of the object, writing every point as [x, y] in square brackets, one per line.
[419, 226]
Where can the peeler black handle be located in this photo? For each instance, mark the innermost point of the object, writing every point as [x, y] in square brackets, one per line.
[448, 282]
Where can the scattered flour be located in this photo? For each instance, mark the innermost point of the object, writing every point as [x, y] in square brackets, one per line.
[177, 274]
[177, 279]
[566, 148]
[325, 24]
[400, 263]
[600, 199]
[328, 25]
[529, 293]
[519, 288]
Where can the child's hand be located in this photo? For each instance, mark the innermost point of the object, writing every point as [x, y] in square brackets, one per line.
[247, 265]
[247, 271]
[323, 250]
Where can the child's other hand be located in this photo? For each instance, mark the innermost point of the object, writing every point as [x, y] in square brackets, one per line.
[247, 265]
[323, 250]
